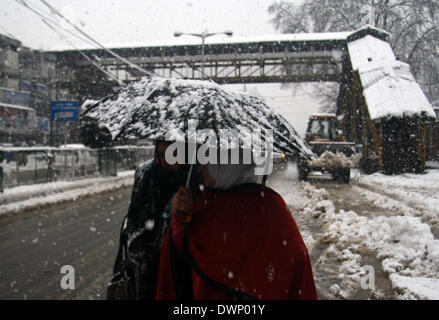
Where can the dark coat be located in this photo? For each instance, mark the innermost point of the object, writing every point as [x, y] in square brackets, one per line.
[144, 226]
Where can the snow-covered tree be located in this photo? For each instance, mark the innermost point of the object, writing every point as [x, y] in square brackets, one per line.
[413, 24]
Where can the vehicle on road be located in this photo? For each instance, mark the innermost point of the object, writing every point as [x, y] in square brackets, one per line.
[75, 160]
[329, 144]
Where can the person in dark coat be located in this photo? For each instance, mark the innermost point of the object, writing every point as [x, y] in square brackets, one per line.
[147, 219]
[239, 240]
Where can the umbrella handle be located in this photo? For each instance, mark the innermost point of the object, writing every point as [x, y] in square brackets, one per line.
[189, 176]
[191, 168]
[188, 217]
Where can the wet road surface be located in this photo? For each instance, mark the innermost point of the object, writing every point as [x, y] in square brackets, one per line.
[83, 234]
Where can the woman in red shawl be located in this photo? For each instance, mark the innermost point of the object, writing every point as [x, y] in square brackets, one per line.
[238, 240]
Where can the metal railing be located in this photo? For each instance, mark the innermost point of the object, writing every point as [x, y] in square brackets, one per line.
[26, 166]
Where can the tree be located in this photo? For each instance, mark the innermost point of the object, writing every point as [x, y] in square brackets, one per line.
[413, 25]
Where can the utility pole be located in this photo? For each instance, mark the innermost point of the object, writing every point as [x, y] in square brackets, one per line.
[372, 13]
[203, 37]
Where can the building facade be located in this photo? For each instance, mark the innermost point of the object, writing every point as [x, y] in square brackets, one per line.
[27, 86]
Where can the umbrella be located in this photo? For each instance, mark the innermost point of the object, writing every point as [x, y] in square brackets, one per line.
[155, 108]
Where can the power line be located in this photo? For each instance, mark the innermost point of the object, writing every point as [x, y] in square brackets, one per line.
[93, 43]
[39, 13]
[132, 65]
[85, 56]
[48, 22]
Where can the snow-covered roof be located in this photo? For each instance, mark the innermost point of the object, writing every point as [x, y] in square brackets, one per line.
[73, 146]
[388, 85]
[392, 91]
[369, 27]
[16, 106]
[191, 41]
[323, 115]
[188, 40]
[370, 51]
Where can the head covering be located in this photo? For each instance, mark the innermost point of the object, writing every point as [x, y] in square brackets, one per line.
[227, 176]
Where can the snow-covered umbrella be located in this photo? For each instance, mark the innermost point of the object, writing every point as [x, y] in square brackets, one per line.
[159, 108]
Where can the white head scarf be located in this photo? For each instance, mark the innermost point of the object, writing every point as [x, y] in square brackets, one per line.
[227, 176]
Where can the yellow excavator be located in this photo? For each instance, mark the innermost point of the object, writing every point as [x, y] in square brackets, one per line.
[327, 142]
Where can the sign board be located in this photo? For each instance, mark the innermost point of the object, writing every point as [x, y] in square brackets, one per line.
[64, 110]
[14, 97]
[17, 119]
[44, 125]
[42, 89]
[25, 86]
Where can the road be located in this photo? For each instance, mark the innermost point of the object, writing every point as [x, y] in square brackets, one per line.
[83, 234]
[347, 198]
[340, 251]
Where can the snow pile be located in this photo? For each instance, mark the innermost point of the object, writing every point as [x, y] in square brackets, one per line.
[381, 201]
[416, 288]
[331, 161]
[404, 245]
[427, 181]
[318, 201]
[420, 191]
[17, 199]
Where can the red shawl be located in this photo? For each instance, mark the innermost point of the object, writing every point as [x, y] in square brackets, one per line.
[246, 240]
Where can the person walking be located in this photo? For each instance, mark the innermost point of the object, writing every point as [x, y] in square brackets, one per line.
[145, 224]
[237, 240]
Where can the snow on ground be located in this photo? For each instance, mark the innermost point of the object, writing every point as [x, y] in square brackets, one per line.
[400, 240]
[418, 191]
[432, 164]
[17, 199]
[420, 288]
[381, 201]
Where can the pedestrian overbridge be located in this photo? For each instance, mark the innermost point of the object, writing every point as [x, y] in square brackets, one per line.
[284, 58]
[379, 100]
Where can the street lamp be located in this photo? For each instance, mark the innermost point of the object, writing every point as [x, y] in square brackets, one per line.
[203, 37]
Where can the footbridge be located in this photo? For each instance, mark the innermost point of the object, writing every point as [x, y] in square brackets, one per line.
[377, 92]
[281, 58]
